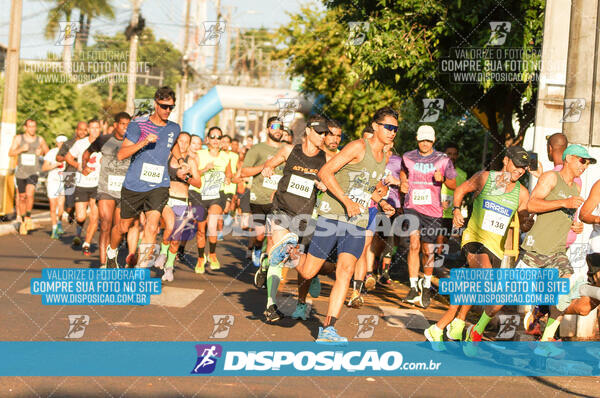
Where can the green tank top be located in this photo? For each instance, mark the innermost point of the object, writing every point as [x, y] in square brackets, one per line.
[358, 181]
[493, 210]
[549, 233]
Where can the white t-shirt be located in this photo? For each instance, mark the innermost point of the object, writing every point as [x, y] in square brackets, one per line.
[54, 174]
[77, 150]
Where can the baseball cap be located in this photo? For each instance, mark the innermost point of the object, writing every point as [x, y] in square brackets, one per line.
[578, 150]
[61, 138]
[319, 124]
[425, 133]
[518, 155]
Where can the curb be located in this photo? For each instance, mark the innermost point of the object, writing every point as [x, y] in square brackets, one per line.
[12, 228]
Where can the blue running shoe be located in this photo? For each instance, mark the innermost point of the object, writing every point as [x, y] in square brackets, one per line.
[59, 229]
[330, 336]
[256, 257]
[279, 252]
[300, 312]
[220, 236]
[315, 287]
[227, 220]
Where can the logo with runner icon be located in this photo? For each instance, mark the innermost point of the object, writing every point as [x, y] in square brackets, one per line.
[213, 30]
[223, 324]
[287, 109]
[207, 358]
[432, 108]
[508, 326]
[500, 31]
[357, 32]
[77, 325]
[572, 110]
[67, 32]
[366, 326]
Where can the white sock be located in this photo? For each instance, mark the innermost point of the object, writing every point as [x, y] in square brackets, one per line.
[85, 244]
[427, 281]
[111, 253]
[413, 282]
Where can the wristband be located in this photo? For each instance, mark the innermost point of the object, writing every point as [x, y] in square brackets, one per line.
[187, 177]
[179, 160]
[456, 207]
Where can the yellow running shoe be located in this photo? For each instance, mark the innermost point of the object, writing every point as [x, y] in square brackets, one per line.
[356, 300]
[23, 228]
[214, 262]
[200, 265]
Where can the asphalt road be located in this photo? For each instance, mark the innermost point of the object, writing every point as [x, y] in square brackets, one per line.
[184, 312]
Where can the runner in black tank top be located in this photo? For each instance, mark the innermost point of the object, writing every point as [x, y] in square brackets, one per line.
[294, 199]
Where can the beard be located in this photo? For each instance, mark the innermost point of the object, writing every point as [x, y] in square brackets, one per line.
[271, 136]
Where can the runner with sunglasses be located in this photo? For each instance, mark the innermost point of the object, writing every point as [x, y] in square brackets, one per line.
[293, 204]
[262, 189]
[424, 171]
[214, 167]
[149, 142]
[350, 178]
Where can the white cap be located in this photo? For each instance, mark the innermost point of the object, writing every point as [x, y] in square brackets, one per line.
[425, 133]
[61, 138]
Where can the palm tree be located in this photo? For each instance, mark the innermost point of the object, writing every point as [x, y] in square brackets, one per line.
[62, 12]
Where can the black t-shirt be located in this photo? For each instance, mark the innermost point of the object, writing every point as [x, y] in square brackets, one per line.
[64, 149]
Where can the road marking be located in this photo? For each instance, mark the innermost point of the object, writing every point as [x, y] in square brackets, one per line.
[178, 297]
[404, 318]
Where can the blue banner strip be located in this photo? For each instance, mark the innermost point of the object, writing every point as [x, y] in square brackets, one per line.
[217, 358]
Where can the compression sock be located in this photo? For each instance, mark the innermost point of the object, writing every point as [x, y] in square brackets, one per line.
[413, 282]
[329, 321]
[170, 259]
[28, 214]
[164, 247]
[551, 328]
[483, 321]
[79, 227]
[212, 247]
[357, 285]
[427, 282]
[273, 279]
[200, 252]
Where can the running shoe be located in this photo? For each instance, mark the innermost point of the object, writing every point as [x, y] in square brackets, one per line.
[472, 340]
[300, 312]
[214, 262]
[413, 296]
[168, 275]
[385, 279]
[370, 282]
[548, 349]
[425, 297]
[76, 241]
[59, 229]
[260, 277]
[160, 261]
[330, 336]
[454, 331]
[54, 235]
[272, 314]
[131, 260]
[315, 287]
[356, 300]
[111, 262]
[220, 236]
[473, 335]
[200, 265]
[86, 250]
[256, 257]
[531, 322]
[436, 336]
[280, 251]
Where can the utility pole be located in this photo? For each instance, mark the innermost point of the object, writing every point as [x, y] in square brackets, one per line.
[184, 64]
[228, 40]
[216, 55]
[9, 108]
[133, 43]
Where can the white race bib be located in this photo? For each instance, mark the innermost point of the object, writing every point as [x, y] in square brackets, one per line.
[28, 159]
[213, 181]
[421, 197]
[115, 183]
[495, 222]
[359, 196]
[300, 186]
[152, 173]
[271, 182]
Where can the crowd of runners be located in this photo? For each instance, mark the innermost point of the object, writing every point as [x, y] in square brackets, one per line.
[313, 207]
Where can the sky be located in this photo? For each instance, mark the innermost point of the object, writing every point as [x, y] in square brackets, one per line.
[165, 17]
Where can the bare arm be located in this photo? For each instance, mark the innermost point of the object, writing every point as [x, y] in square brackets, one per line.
[44, 146]
[450, 183]
[16, 148]
[537, 202]
[590, 204]
[525, 221]
[475, 183]
[71, 160]
[280, 157]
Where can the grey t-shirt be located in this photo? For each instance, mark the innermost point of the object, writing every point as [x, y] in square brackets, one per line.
[112, 170]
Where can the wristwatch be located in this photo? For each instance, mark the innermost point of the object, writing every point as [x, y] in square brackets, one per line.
[187, 177]
[455, 207]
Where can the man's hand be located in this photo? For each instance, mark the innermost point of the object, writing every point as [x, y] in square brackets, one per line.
[458, 220]
[185, 167]
[438, 176]
[320, 186]
[528, 222]
[267, 172]
[352, 208]
[387, 208]
[24, 147]
[86, 170]
[573, 202]
[577, 227]
[181, 173]
[391, 180]
[150, 138]
[404, 187]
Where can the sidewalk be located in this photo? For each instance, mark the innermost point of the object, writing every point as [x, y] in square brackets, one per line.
[12, 227]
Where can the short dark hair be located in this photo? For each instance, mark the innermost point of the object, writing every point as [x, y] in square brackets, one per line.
[29, 120]
[214, 128]
[289, 131]
[122, 115]
[272, 119]
[381, 113]
[235, 140]
[451, 145]
[226, 136]
[368, 129]
[185, 133]
[94, 120]
[333, 123]
[164, 93]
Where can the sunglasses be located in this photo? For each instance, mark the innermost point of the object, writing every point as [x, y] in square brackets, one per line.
[322, 132]
[165, 106]
[389, 127]
[275, 126]
[215, 137]
[584, 161]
